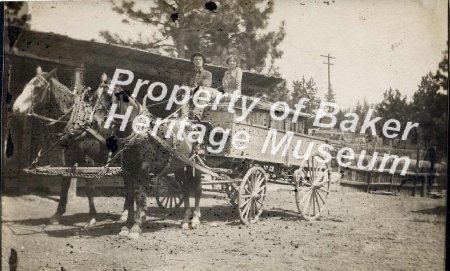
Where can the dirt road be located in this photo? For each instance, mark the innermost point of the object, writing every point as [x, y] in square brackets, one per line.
[358, 231]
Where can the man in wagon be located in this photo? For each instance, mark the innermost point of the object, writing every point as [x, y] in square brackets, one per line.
[195, 78]
[198, 76]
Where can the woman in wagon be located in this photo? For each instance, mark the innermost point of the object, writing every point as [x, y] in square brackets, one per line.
[232, 78]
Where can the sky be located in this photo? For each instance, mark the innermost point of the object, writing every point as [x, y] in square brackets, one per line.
[376, 44]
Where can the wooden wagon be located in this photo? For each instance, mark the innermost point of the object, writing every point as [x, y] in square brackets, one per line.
[244, 174]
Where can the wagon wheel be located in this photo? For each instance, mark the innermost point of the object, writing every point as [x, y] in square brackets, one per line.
[168, 192]
[252, 193]
[312, 188]
[232, 192]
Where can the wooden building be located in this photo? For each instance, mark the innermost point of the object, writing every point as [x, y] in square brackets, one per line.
[81, 63]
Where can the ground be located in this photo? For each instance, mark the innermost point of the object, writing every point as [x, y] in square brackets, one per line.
[358, 231]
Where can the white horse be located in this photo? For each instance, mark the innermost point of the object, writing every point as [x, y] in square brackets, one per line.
[47, 99]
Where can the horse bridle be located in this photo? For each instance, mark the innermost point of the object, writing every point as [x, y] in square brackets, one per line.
[46, 84]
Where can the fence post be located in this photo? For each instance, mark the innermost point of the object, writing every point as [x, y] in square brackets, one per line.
[423, 193]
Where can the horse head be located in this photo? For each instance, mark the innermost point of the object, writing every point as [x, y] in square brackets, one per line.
[35, 93]
[120, 97]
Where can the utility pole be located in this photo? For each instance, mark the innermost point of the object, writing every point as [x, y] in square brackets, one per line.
[329, 64]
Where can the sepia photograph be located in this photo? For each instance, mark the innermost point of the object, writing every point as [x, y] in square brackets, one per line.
[224, 135]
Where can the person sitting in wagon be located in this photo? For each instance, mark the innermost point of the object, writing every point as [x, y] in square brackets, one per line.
[232, 78]
[197, 77]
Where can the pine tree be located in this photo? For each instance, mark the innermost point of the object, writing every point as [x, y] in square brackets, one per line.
[330, 96]
[430, 109]
[217, 29]
[306, 89]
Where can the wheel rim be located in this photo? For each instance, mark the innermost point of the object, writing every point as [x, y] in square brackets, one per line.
[252, 193]
[168, 193]
[312, 189]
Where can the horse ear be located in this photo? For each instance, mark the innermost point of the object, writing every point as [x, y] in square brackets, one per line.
[51, 73]
[104, 77]
[38, 70]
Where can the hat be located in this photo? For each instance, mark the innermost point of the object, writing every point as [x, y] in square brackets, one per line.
[198, 54]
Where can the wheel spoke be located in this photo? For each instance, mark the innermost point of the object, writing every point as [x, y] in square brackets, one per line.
[320, 177]
[259, 202]
[313, 199]
[323, 182]
[304, 172]
[245, 202]
[246, 189]
[321, 198]
[245, 210]
[318, 205]
[255, 209]
[261, 188]
[303, 189]
[305, 196]
[307, 204]
[260, 181]
[252, 211]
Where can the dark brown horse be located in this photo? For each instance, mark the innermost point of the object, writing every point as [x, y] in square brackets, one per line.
[145, 156]
[47, 99]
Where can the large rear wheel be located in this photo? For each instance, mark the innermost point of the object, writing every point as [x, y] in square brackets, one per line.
[312, 186]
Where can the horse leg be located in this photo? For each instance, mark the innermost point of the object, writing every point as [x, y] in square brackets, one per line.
[65, 184]
[139, 218]
[197, 182]
[129, 203]
[180, 176]
[90, 190]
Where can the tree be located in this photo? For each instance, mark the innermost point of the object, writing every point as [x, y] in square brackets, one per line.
[330, 96]
[430, 108]
[393, 106]
[216, 29]
[16, 14]
[306, 89]
[16, 19]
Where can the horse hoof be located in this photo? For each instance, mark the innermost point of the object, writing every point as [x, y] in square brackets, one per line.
[90, 223]
[143, 218]
[124, 231]
[124, 216]
[54, 220]
[195, 224]
[136, 229]
[185, 226]
[133, 235]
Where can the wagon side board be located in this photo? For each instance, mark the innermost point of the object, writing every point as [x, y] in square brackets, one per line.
[258, 125]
